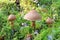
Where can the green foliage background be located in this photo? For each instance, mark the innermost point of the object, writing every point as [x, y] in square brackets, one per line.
[46, 8]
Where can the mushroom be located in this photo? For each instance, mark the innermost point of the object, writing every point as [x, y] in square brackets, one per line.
[32, 16]
[18, 4]
[2, 37]
[49, 21]
[11, 18]
[29, 37]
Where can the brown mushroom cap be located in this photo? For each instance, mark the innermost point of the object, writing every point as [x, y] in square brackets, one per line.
[29, 35]
[49, 21]
[32, 16]
[11, 17]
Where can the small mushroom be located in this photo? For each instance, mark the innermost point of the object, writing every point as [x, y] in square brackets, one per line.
[18, 4]
[2, 38]
[11, 18]
[32, 16]
[49, 21]
[29, 37]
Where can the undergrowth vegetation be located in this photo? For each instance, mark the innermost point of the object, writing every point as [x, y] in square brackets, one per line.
[22, 27]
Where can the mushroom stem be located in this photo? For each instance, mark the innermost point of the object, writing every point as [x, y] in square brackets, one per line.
[33, 24]
[49, 25]
[12, 24]
[18, 4]
[2, 38]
